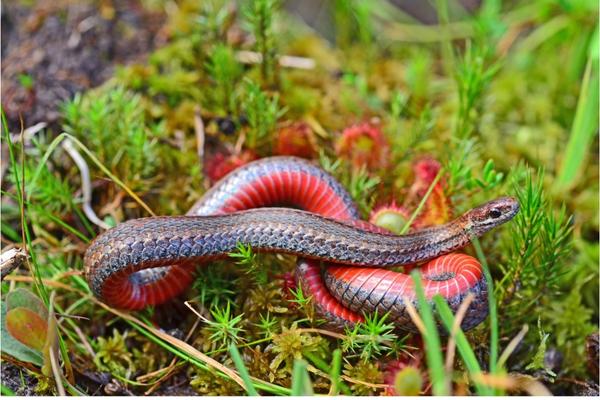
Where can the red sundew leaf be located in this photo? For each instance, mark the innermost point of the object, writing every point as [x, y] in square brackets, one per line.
[437, 209]
[27, 327]
[296, 139]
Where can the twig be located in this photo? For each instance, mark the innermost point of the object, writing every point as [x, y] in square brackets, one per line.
[84, 341]
[86, 185]
[11, 260]
[252, 57]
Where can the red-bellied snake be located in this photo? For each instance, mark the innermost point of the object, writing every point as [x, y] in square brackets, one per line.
[147, 261]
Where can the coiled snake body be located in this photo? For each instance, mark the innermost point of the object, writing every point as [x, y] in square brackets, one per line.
[150, 260]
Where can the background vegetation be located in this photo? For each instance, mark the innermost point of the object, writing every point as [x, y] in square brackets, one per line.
[506, 98]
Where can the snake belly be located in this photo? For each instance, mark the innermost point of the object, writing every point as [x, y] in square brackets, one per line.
[151, 260]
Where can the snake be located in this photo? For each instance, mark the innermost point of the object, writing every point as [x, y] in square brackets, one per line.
[289, 205]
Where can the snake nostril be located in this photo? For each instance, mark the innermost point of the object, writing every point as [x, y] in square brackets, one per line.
[444, 276]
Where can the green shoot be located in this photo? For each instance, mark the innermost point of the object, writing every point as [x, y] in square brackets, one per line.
[433, 348]
[225, 71]
[537, 363]
[472, 77]
[267, 325]
[362, 187]
[492, 305]
[242, 370]
[262, 113]
[225, 329]
[336, 369]
[246, 258]
[466, 352]
[585, 125]
[259, 14]
[301, 385]
[370, 338]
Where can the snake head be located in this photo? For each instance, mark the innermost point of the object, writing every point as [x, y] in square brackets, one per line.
[489, 215]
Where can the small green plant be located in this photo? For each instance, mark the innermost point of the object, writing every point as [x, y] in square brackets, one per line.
[472, 77]
[224, 71]
[112, 123]
[290, 344]
[370, 338]
[362, 186]
[215, 286]
[246, 258]
[537, 363]
[262, 113]
[225, 328]
[112, 355]
[303, 302]
[259, 14]
[541, 240]
[267, 325]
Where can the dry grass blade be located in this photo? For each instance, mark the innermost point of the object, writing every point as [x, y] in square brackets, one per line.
[84, 341]
[86, 184]
[323, 332]
[512, 346]
[515, 383]
[180, 344]
[414, 315]
[458, 318]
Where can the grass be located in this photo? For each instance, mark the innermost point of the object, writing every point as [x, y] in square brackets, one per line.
[585, 124]
[475, 93]
[439, 381]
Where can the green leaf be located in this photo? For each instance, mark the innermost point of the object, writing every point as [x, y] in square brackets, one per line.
[243, 371]
[24, 298]
[13, 347]
[27, 327]
[301, 385]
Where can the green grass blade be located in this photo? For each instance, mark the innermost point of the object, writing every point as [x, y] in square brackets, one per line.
[585, 124]
[20, 186]
[242, 370]
[6, 391]
[336, 369]
[462, 344]
[417, 211]
[301, 385]
[492, 307]
[433, 350]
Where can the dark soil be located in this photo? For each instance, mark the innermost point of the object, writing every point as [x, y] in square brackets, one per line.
[17, 379]
[55, 49]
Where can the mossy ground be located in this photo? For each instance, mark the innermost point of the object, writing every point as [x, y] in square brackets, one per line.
[504, 107]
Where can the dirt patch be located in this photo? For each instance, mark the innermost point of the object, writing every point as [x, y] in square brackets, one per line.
[57, 48]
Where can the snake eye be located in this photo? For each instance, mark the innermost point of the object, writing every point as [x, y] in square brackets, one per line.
[495, 213]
